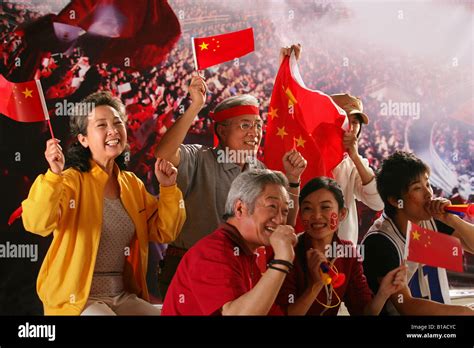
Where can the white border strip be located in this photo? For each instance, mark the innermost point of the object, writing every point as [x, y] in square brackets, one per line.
[194, 54]
[407, 242]
[43, 101]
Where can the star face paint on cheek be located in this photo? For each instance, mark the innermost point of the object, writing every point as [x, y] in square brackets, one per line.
[333, 221]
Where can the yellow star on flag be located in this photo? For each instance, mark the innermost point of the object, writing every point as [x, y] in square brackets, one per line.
[428, 242]
[28, 93]
[300, 141]
[291, 98]
[281, 132]
[416, 235]
[273, 113]
[203, 46]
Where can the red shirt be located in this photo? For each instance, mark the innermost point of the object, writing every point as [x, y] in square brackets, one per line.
[355, 292]
[218, 269]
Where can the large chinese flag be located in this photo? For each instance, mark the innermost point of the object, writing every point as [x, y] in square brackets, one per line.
[304, 119]
[434, 248]
[212, 50]
[22, 101]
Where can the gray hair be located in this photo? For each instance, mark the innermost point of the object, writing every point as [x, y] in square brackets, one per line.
[249, 185]
[244, 99]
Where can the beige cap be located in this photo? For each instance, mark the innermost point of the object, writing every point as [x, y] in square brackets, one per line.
[351, 105]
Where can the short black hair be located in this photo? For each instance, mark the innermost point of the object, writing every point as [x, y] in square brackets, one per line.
[395, 176]
[322, 182]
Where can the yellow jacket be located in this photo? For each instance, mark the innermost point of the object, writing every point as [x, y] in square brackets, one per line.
[70, 205]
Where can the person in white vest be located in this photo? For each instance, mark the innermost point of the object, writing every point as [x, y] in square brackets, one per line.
[353, 174]
[403, 184]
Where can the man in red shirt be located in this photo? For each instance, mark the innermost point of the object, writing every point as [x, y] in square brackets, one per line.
[219, 275]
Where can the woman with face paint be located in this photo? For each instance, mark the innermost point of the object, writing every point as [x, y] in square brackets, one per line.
[310, 289]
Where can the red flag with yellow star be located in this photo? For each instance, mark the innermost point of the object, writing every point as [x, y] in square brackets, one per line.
[434, 248]
[212, 50]
[304, 119]
[22, 102]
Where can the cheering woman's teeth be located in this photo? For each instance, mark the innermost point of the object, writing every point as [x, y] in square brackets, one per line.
[317, 225]
[112, 142]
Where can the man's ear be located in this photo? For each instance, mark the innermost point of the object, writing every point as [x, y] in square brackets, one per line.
[221, 132]
[393, 202]
[83, 140]
[239, 208]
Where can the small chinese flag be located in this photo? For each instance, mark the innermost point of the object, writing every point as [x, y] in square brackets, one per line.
[434, 248]
[212, 50]
[22, 102]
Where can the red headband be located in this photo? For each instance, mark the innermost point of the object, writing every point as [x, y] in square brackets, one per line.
[234, 112]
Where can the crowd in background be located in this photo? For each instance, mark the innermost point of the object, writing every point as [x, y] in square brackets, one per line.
[156, 97]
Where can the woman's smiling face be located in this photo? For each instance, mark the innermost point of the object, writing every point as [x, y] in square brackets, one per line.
[320, 214]
[106, 134]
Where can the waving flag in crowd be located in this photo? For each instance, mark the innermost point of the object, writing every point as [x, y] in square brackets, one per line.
[132, 35]
[212, 50]
[306, 120]
[38, 38]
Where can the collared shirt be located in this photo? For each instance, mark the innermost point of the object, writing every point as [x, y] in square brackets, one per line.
[355, 292]
[218, 269]
[205, 183]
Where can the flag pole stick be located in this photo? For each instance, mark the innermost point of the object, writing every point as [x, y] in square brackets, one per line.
[407, 242]
[45, 109]
[195, 58]
[194, 54]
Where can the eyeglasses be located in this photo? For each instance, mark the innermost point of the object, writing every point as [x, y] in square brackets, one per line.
[246, 126]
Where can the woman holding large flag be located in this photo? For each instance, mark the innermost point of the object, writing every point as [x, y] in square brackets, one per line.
[101, 217]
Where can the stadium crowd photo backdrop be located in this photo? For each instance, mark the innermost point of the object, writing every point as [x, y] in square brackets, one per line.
[409, 62]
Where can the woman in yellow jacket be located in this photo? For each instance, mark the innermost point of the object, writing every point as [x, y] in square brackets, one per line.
[101, 216]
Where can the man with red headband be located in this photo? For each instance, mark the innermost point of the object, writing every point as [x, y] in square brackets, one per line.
[206, 174]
